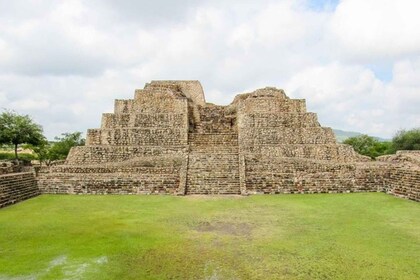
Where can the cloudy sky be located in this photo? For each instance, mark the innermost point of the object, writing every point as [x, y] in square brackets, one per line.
[356, 62]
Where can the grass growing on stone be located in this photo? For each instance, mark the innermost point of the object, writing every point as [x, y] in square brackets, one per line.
[333, 236]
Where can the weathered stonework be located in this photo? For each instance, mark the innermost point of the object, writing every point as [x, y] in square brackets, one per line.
[169, 140]
[15, 187]
[403, 178]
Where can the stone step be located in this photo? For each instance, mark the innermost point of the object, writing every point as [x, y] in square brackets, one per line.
[213, 162]
[214, 166]
[212, 138]
[212, 188]
[213, 173]
[212, 178]
[213, 191]
[215, 128]
[203, 183]
[215, 149]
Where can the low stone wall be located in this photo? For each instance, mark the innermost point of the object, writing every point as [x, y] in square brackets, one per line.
[328, 152]
[138, 136]
[404, 174]
[85, 155]
[108, 183]
[256, 175]
[7, 167]
[15, 187]
[397, 175]
[137, 177]
[294, 175]
[404, 183]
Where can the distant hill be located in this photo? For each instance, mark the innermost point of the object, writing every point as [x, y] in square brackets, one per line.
[342, 135]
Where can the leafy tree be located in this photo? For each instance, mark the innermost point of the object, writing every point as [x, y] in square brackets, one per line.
[17, 129]
[361, 144]
[61, 148]
[369, 146]
[407, 140]
[42, 151]
[380, 148]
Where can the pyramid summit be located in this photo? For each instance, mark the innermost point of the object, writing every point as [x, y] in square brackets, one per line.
[167, 139]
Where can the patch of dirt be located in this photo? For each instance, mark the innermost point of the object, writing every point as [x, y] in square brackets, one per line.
[239, 229]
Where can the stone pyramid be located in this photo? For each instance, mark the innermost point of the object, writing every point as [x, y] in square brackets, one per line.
[169, 140]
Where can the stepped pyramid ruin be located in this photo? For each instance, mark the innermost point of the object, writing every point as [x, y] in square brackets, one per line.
[169, 140]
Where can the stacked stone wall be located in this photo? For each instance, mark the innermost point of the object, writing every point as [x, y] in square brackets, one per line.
[307, 135]
[8, 167]
[404, 183]
[15, 187]
[284, 120]
[404, 174]
[122, 106]
[294, 175]
[169, 136]
[159, 171]
[157, 103]
[270, 124]
[149, 120]
[272, 105]
[103, 180]
[335, 152]
[105, 154]
[145, 120]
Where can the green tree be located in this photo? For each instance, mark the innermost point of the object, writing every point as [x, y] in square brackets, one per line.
[61, 148]
[380, 148]
[407, 140]
[42, 151]
[369, 146]
[18, 129]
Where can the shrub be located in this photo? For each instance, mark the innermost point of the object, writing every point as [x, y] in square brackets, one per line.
[406, 140]
[369, 146]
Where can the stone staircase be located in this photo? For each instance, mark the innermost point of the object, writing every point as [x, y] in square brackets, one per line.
[213, 164]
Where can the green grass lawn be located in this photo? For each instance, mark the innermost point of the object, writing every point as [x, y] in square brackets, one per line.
[331, 236]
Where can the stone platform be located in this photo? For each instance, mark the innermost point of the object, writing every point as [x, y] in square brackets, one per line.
[167, 139]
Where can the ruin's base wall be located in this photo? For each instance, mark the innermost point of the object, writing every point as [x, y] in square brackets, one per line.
[404, 182]
[294, 175]
[15, 187]
[261, 176]
[105, 180]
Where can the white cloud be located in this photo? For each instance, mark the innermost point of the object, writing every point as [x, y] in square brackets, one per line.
[30, 104]
[372, 29]
[407, 73]
[353, 98]
[65, 62]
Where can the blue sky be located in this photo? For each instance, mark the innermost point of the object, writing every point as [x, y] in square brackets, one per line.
[356, 62]
[319, 5]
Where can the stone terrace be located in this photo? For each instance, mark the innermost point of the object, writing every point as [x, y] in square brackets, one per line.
[167, 139]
